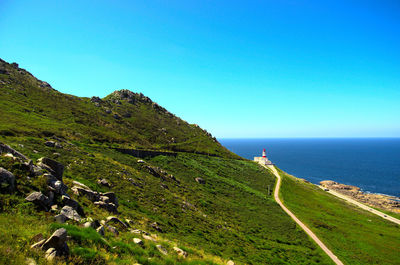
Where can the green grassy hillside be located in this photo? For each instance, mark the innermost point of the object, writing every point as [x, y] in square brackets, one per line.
[224, 214]
[354, 235]
[30, 107]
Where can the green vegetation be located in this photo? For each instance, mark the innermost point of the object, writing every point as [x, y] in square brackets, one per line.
[354, 235]
[227, 215]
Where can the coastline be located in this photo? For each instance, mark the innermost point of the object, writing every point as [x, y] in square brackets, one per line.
[377, 200]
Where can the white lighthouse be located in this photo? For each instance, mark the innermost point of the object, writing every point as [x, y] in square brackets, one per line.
[263, 159]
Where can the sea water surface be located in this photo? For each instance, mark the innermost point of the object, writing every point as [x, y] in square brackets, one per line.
[373, 164]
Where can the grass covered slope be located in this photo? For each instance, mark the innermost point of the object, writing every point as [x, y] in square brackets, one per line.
[228, 215]
[30, 107]
[354, 235]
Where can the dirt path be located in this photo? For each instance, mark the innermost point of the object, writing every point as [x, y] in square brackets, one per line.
[303, 226]
[363, 206]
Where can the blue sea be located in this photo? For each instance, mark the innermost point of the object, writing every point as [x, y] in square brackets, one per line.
[373, 164]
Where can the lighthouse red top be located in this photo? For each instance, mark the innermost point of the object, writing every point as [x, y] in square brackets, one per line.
[263, 153]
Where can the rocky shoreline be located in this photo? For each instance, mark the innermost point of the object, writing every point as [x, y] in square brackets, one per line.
[381, 201]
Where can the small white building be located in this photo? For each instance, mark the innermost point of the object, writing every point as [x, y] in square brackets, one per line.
[263, 159]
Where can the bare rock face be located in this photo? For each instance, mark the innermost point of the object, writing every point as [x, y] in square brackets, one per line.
[54, 167]
[7, 180]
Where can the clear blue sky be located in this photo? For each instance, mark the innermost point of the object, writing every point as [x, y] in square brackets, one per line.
[237, 68]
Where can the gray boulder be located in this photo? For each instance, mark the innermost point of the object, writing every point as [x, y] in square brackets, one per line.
[67, 201]
[54, 167]
[113, 219]
[7, 180]
[91, 195]
[39, 199]
[60, 218]
[69, 212]
[58, 241]
[112, 197]
[111, 207]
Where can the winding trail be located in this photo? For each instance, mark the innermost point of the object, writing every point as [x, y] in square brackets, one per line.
[303, 226]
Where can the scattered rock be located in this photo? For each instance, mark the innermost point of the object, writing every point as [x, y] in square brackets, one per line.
[72, 203]
[60, 218]
[39, 199]
[7, 180]
[113, 219]
[156, 227]
[91, 195]
[162, 250]
[140, 161]
[108, 111]
[58, 241]
[104, 182]
[112, 229]
[100, 230]
[38, 244]
[138, 241]
[54, 167]
[111, 207]
[116, 116]
[58, 145]
[112, 197]
[50, 143]
[180, 252]
[50, 254]
[77, 183]
[147, 237]
[7, 149]
[69, 212]
[200, 180]
[230, 262]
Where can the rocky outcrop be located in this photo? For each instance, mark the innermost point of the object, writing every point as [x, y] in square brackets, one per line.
[385, 202]
[107, 200]
[7, 180]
